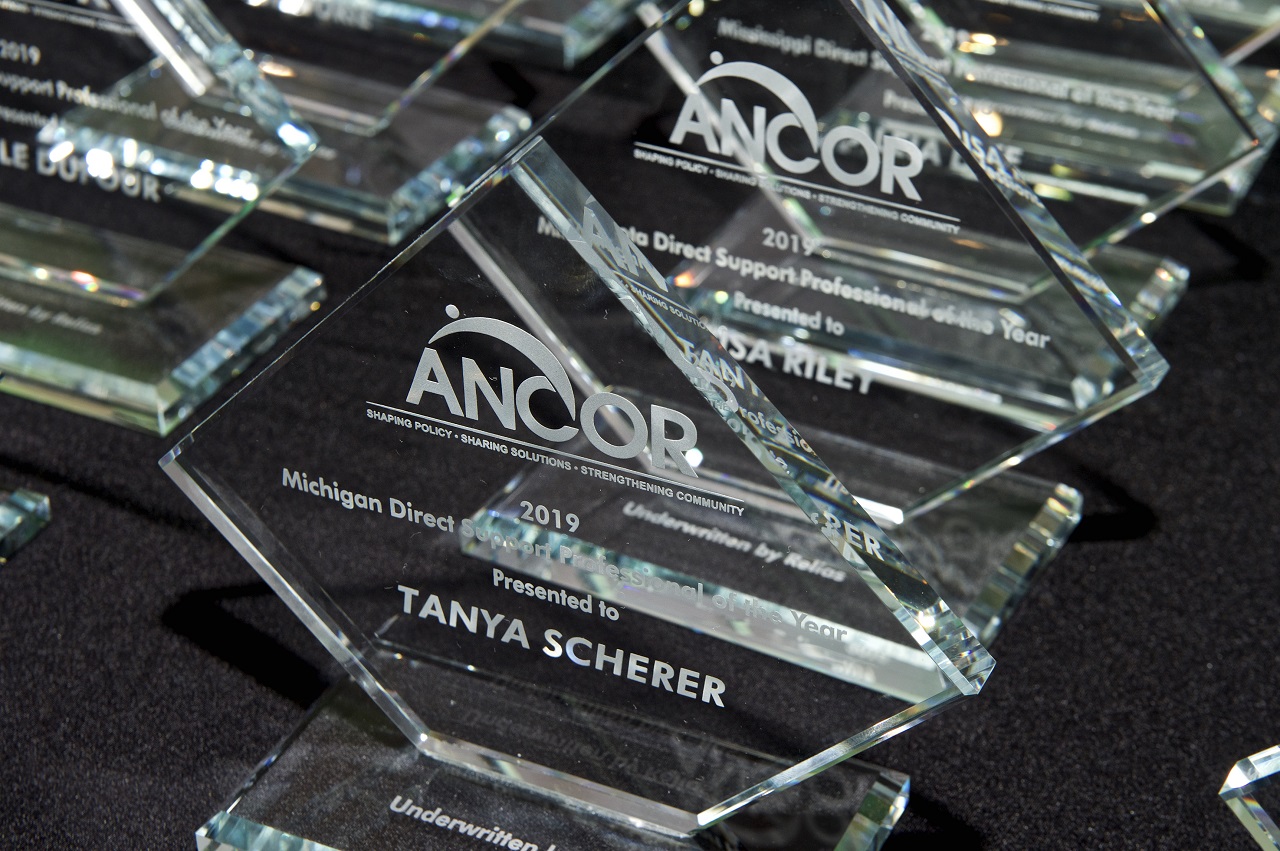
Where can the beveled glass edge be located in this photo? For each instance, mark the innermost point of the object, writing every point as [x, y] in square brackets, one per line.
[879, 813]
[1237, 793]
[228, 352]
[636, 284]
[160, 408]
[1038, 545]
[26, 513]
[256, 836]
[1145, 214]
[1224, 197]
[391, 218]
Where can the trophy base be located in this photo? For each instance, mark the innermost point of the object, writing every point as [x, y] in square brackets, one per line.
[1252, 791]
[1149, 287]
[111, 346]
[23, 514]
[347, 779]
[553, 32]
[383, 182]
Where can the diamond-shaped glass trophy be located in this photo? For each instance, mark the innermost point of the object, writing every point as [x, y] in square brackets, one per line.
[567, 540]
[1252, 791]
[865, 279]
[628, 646]
[926, 296]
[23, 513]
[115, 299]
[848, 253]
[412, 101]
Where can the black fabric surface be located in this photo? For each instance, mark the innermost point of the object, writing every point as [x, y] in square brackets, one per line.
[144, 670]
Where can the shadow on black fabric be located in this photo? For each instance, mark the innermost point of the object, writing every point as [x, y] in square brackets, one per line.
[941, 829]
[203, 617]
[1122, 518]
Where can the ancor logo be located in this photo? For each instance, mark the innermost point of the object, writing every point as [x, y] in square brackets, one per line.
[666, 432]
[849, 154]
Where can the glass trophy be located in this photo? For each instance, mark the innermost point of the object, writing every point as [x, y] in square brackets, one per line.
[23, 513]
[348, 779]
[116, 298]
[559, 528]
[1252, 792]
[844, 261]
[1115, 111]
[412, 101]
[625, 647]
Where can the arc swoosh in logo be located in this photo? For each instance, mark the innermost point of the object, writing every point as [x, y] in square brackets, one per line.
[778, 85]
[520, 340]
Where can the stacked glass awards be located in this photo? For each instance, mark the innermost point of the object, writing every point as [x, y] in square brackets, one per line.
[114, 300]
[643, 481]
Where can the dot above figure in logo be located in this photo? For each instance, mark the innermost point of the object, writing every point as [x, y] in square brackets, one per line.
[452, 311]
[716, 57]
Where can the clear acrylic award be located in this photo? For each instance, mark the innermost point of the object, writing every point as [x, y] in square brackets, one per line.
[847, 254]
[639, 645]
[1252, 792]
[115, 300]
[566, 534]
